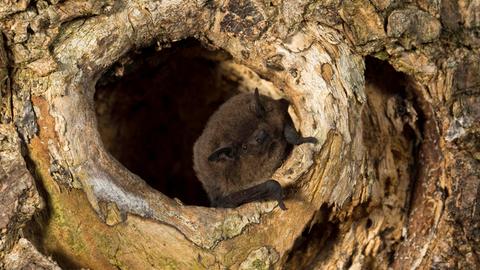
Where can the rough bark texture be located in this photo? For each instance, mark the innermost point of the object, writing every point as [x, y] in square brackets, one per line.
[393, 181]
[25, 256]
[20, 198]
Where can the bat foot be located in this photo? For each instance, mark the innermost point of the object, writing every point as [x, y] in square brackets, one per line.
[275, 191]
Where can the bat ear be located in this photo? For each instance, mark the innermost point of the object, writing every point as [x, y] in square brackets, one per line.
[223, 152]
[258, 107]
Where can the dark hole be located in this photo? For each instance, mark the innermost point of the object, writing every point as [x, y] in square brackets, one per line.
[150, 117]
[315, 244]
[391, 82]
[385, 77]
[368, 224]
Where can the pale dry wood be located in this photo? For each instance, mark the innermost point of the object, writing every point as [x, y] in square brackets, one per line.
[25, 256]
[358, 183]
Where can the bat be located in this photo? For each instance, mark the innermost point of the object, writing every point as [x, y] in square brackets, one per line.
[241, 146]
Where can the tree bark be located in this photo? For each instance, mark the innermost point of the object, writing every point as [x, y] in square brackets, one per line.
[390, 90]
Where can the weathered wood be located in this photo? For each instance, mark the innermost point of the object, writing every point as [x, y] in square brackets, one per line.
[5, 91]
[393, 181]
[25, 256]
[19, 197]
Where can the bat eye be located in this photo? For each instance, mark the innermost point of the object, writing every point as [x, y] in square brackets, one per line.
[244, 147]
[261, 137]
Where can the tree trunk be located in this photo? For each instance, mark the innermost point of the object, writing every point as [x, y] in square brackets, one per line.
[102, 100]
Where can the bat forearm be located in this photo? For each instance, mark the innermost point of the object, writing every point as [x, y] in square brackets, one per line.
[268, 190]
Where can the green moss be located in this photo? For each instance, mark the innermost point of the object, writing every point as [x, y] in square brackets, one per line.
[232, 226]
[383, 55]
[58, 216]
[75, 241]
[167, 264]
[259, 265]
[106, 244]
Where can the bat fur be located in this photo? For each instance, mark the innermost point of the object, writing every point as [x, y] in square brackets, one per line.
[242, 145]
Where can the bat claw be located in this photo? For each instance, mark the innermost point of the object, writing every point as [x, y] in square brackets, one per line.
[281, 204]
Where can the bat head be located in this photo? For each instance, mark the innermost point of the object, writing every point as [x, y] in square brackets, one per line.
[242, 144]
[258, 133]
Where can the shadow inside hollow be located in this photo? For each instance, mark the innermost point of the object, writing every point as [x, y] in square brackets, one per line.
[150, 118]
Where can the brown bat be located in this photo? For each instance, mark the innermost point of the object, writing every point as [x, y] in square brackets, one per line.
[242, 145]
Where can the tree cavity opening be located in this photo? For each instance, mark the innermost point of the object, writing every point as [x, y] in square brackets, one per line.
[391, 123]
[152, 105]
